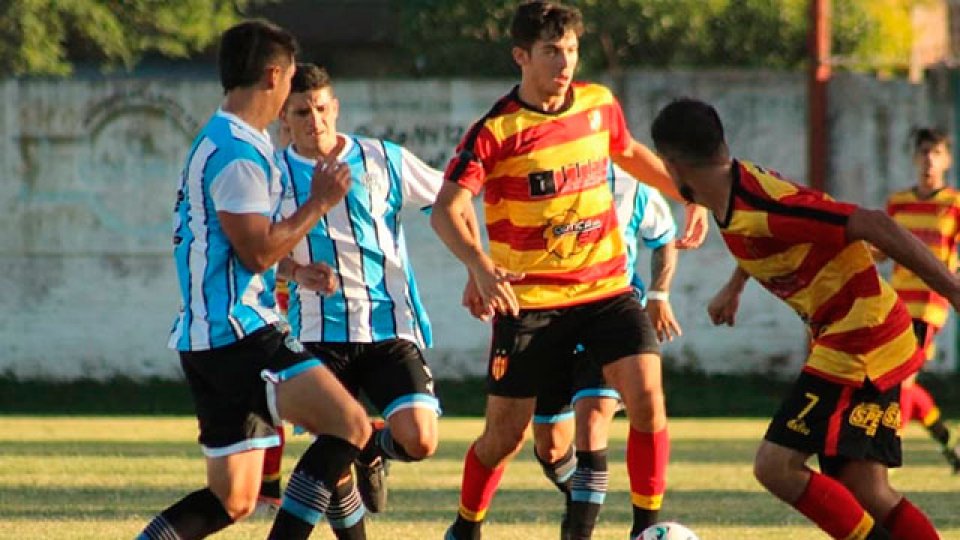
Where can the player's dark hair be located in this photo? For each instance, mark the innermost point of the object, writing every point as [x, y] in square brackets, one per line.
[688, 130]
[309, 77]
[929, 135]
[543, 20]
[247, 48]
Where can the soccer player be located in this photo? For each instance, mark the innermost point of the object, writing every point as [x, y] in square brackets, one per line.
[245, 371]
[811, 252]
[931, 211]
[556, 275]
[371, 326]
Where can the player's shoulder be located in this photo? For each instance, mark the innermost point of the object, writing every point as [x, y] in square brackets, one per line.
[901, 195]
[951, 194]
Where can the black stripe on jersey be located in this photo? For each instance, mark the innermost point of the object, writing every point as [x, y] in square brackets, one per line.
[206, 228]
[775, 207]
[356, 240]
[296, 201]
[376, 233]
[470, 140]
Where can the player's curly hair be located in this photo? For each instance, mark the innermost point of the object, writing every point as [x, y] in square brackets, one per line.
[688, 130]
[539, 19]
[309, 77]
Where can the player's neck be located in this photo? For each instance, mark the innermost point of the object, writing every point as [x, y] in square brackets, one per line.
[712, 186]
[323, 149]
[928, 186]
[245, 104]
[531, 96]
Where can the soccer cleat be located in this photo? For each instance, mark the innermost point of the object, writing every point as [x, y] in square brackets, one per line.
[372, 484]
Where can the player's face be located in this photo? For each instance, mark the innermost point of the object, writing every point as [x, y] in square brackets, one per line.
[311, 118]
[550, 65]
[281, 76]
[932, 161]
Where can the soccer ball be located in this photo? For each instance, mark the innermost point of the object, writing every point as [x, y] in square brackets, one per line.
[667, 530]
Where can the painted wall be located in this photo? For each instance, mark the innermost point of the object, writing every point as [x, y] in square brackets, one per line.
[90, 168]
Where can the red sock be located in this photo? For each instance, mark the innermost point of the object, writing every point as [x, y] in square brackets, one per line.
[272, 459]
[907, 522]
[833, 508]
[647, 457]
[924, 408]
[906, 404]
[478, 487]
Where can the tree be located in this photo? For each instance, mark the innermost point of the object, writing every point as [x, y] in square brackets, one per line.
[45, 37]
[470, 37]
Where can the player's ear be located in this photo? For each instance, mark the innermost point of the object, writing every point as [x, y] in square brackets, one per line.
[520, 55]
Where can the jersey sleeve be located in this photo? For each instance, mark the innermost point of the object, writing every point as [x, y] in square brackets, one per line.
[475, 158]
[811, 217]
[657, 227]
[241, 188]
[420, 182]
[619, 133]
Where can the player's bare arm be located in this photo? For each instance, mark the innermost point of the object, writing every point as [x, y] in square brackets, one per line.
[260, 242]
[723, 306]
[318, 276]
[879, 229]
[451, 220]
[644, 165]
[663, 266]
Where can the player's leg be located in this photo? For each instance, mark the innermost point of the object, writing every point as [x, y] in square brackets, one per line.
[270, 484]
[311, 396]
[916, 403]
[619, 335]
[812, 420]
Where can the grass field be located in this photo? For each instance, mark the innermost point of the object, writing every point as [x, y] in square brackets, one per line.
[104, 478]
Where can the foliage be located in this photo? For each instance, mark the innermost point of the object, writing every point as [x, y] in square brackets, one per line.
[44, 37]
[461, 37]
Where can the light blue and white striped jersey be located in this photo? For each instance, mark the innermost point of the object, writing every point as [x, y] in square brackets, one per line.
[230, 168]
[362, 239]
[644, 216]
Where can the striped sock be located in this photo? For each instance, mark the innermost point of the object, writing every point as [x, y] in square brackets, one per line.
[647, 457]
[197, 515]
[559, 472]
[588, 489]
[834, 509]
[346, 512]
[388, 447]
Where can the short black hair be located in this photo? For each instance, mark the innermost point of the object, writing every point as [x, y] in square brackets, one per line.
[929, 135]
[688, 130]
[309, 77]
[247, 48]
[543, 20]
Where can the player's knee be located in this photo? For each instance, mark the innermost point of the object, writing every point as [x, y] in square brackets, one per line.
[421, 447]
[239, 506]
[767, 469]
[357, 426]
[549, 452]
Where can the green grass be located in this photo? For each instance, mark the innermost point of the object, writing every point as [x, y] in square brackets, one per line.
[105, 477]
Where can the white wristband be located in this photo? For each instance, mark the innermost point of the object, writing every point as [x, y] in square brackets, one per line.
[663, 296]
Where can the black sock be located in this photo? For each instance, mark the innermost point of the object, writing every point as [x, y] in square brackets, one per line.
[464, 529]
[346, 511]
[309, 489]
[197, 515]
[384, 445]
[643, 518]
[938, 430]
[878, 533]
[588, 489]
[559, 472]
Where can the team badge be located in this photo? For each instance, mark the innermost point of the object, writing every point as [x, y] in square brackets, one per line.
[499, 364]
[375, 182]
[293, 344]
[595, 120]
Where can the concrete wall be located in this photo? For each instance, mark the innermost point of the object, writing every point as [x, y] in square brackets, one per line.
[90, 168]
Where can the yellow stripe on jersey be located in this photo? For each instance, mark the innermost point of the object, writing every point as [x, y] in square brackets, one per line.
[589, 203]
[551, 295]
[874, 364]
[773, 186]
[544, 262]
[584, 98]
[589, 147]
[749, 223]
[776, 265]
[929, 222]
[866, 311]
[832, 278]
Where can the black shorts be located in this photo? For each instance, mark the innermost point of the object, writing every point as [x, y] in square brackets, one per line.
[526, 348]
[232, 389]
[839, 422]
[392, 374]
[925, 333]
[575, 377]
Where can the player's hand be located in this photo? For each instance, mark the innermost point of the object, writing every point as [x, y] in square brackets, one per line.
[473, 301]
[696, 225]
[316, 276]
[493, 284]
[661, 315]
[723, 307]
[330, 182]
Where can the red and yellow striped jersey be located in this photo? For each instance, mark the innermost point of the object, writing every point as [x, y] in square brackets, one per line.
[935, 220]
[549, 210]
[793, 241]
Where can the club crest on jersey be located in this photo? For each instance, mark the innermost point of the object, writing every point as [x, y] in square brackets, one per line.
[499, 364]
[375, 182]
[596, 121]
[564, 233]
